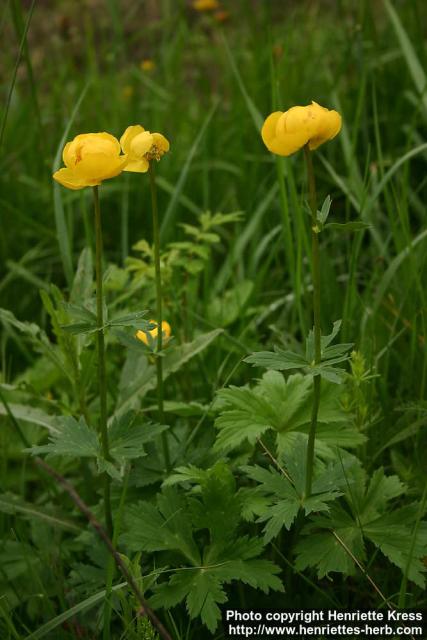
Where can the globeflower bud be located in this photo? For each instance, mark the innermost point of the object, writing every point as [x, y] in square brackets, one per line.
[89, 159]
[149, 337]
[286, 132]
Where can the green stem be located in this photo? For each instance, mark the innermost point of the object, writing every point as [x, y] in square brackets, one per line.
[110, 562]
[315, 258]
[101, 361]
[159, 311]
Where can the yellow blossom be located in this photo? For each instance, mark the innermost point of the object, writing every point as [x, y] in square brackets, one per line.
[147, 65]
[148, 337]
[89, 159]
[284, 133]
[205, 5]
[141, 146]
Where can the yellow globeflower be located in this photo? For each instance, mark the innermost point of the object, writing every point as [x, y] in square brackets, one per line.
[284, 133]
[148, 337]
[141, 146]
[205, 5]
[89, 159]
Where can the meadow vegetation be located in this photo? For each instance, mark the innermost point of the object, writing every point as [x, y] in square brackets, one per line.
[198, 437]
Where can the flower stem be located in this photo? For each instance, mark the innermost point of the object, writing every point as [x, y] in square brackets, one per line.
[101, 361]
[159, 311]
[315, 266]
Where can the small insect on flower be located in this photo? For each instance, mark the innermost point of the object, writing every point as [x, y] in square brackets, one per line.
[205, 5]
[286, 132]
[147, 65]
[89, 159]
[141, 147]
[149, 337]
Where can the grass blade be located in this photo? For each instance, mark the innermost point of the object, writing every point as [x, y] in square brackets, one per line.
[15, 71]
[414, 65]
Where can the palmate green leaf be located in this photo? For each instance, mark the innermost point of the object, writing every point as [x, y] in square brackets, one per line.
[283, 360]
[180, 524]
[392, 535]
[218, 508]
[286, 494]
[324, 552]
[330, 373]
[277, 360]
[202, 591]
[129, 433]
[83, 318]
[330, 355]
[136, 320]
[365, 516]
[282, 405]
[127, 436]
[17, 559]
[203, 586]
[191, 474]
[73, 438]
[245, 418]
[165, 527]
[203, 599]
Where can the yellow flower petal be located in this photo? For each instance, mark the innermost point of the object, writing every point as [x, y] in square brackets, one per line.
[89, 159]
[268, 131]
[130, 133]
[330, 127]
[137, 166]
[149, 336]
[278, 142]
[96, 167]
[140, 145]
[161, 143]
[68, 179]
[86, 143]
[285, 133]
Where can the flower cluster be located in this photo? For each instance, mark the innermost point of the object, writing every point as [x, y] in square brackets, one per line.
[93, 157]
